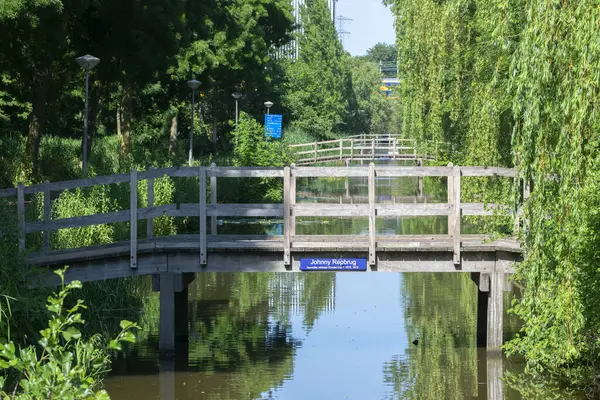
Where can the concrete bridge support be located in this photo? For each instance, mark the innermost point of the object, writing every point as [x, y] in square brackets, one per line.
[173, 308]
[490, 309]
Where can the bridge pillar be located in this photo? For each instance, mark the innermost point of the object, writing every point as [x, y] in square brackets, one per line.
[490, 309]
[173, 309]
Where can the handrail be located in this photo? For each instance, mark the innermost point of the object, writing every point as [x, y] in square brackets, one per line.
[289, 210]
[364, 148]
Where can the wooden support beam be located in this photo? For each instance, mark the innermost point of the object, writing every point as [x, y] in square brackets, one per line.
[213, 199]
[150, 219]
[420, 189]
[372, 226]
[202, 210]
[457, 214]
[292, 201]
[133, 203]
[495, 367]
[450, 199]
[166, 338]
[341, 149]
[47, 213]
[286, 216]
[21, 214]
[495, 328]
[316, 145]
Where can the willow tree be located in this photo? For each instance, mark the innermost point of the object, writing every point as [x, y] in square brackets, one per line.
[512, 82]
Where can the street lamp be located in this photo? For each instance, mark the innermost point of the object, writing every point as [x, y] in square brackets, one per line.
[87, 62]
[193, 84]
[236, 96]
[268, 104]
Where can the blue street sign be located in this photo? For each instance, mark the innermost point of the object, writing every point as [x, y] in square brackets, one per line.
[273, 124]
[333, 264]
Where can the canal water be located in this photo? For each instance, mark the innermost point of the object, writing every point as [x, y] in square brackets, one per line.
[322, 335]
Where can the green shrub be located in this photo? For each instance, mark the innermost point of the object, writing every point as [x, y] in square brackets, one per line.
[64, 364]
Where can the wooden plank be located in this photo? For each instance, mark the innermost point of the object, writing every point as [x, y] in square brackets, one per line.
[488, 171]
[419, 209]
[293, 197]
[457, 212]
[76, 222]
[47, 213]
[174, 172]
[150, 220]
[450, 182]
[213, 199]
[246, 172]
[330, 172]
[245, 210]
[11, 192]
[482, 209]
[286, 216]
[133, 200]
[202, 212]
[330, 210]
[79, 183]
[21, 215]
[384, 171]
[495, 312]
[372, 211]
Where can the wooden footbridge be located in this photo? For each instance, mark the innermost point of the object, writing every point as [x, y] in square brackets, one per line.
[366, 147]
[169, 259]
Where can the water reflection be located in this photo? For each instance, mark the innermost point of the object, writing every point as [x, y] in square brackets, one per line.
[324, 335]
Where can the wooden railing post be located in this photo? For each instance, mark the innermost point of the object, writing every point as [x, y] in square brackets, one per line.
[213, 199]
[47, 212]
[351, 149]
[450, 201]
[202, 204]
[372, 148]
[457, 213]
[21, 214]
[133, 199]
[341, 149]
[286, 215]
[150, 220]
[372, 227]
[316, 145]
[292, 201]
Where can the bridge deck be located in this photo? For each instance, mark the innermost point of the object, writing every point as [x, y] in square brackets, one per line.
[256, 243]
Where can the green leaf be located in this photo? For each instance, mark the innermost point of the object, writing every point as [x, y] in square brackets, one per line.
[71, 333]
[114, 345]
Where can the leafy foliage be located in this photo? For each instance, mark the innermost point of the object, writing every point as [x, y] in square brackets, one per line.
[65, 365]
[318, 90]
[506, 83]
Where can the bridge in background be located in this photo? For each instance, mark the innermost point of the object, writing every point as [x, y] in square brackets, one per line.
[366, 148]
[171, 259]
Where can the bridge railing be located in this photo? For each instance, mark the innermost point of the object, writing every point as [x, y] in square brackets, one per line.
[365, 147]
[210, 209]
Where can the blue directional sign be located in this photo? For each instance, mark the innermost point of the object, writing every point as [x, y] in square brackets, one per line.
[333, 264]
[273, 124]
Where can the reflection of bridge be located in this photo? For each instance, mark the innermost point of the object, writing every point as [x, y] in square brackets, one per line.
[170, 258]
[364, 148]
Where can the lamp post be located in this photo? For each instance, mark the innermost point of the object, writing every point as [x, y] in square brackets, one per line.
[236, 96]
[193, 84]
[268, 104]
[87, 62]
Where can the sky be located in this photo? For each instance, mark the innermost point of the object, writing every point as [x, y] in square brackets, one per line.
[372, 23]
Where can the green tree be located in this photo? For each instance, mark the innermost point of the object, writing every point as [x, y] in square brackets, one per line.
[382, 53]
[319, 89]
[373, 110]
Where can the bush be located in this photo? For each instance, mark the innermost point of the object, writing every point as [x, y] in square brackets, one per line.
[64, 364]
